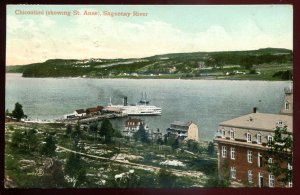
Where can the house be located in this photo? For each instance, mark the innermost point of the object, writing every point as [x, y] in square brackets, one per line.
[155, 135]
[79, 112]
[132, 125]
[183, 130]
[94, 111]
[287, 108]
[241, 147]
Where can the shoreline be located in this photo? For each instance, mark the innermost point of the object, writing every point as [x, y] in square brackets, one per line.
[163, 77]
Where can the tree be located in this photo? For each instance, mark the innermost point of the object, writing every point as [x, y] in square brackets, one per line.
[166, 179]
[53, 176]
[7, 113]
[222, 179]
[31, 140]
[49, 147]
[106, 130]
[280, 149]
[141, 135]
[215, 181]
[17, 138]
[193, 146]
[175, 144]
[165, 139]
[18, 112]
[94, 129]
[76, 135]
[75, 168]
[69, 130]
[211, 149]
[284, 75]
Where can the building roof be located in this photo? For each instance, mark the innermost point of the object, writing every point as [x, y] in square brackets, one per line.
[96, 109]
[182, 123]
[260, 121]
[112, 109]
[80, 111]
[134, 120]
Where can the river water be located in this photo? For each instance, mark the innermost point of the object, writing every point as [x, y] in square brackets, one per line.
[205, 102]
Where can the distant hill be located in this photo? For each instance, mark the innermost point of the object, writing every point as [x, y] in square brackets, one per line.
[194, 64]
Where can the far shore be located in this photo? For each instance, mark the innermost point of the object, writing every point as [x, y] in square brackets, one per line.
[230, 77]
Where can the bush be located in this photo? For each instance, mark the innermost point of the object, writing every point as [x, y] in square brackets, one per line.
[284, 75]
[166, 179]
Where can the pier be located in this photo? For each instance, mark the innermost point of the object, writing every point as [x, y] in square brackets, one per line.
[91, 119]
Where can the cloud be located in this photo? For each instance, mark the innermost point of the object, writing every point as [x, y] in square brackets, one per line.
[35, 40]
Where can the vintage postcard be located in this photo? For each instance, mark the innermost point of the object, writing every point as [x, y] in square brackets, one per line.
[149, 96]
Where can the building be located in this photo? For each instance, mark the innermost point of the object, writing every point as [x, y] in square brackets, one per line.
[287, 107]
[94, 111]
[132, 125]
[156, 135]
[183, 130]
[241, 147]
[79, 112]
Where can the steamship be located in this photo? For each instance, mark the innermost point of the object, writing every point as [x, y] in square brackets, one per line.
[142, 108]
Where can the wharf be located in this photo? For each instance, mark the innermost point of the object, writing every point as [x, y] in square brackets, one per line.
[87, 120]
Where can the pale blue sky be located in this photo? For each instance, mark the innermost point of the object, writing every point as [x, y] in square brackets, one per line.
[166, 29]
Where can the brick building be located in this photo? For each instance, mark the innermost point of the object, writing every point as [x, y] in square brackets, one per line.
[241, 145]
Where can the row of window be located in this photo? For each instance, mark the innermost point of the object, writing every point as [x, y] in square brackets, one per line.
[248, 136]
[249, 156]
[260, 177]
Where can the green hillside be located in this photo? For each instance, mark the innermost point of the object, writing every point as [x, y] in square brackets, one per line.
[262, 64]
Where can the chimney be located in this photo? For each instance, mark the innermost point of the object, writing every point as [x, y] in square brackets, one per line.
[254, 109]
[125, 101]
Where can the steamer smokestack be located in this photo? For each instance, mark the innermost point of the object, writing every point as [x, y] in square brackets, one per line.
[254, 109]
[125, 101]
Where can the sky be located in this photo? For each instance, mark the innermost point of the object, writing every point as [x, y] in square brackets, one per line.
[165, 29]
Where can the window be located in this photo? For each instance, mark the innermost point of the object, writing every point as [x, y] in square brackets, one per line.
[259, 160]
[271, 180]
[258, 138]
[250, 176]
[249, 137]
[270, 160]
[270, 138]
[231, 134]
[223, 133]
[286, 106]
[249, 156]
[232, 173]
[260, 180]
[232, 153]
[224, 152]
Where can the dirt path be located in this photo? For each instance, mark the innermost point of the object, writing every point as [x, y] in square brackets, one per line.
[138, 166]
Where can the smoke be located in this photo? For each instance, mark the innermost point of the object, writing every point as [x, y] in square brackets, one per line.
[118, 93]
[100, 93]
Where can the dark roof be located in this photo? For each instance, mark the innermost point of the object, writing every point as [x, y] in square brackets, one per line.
[95, 109]
[135, 120]
[182, 123]
[80, 111]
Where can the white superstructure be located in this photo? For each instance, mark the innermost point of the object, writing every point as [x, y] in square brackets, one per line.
[138, 109]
